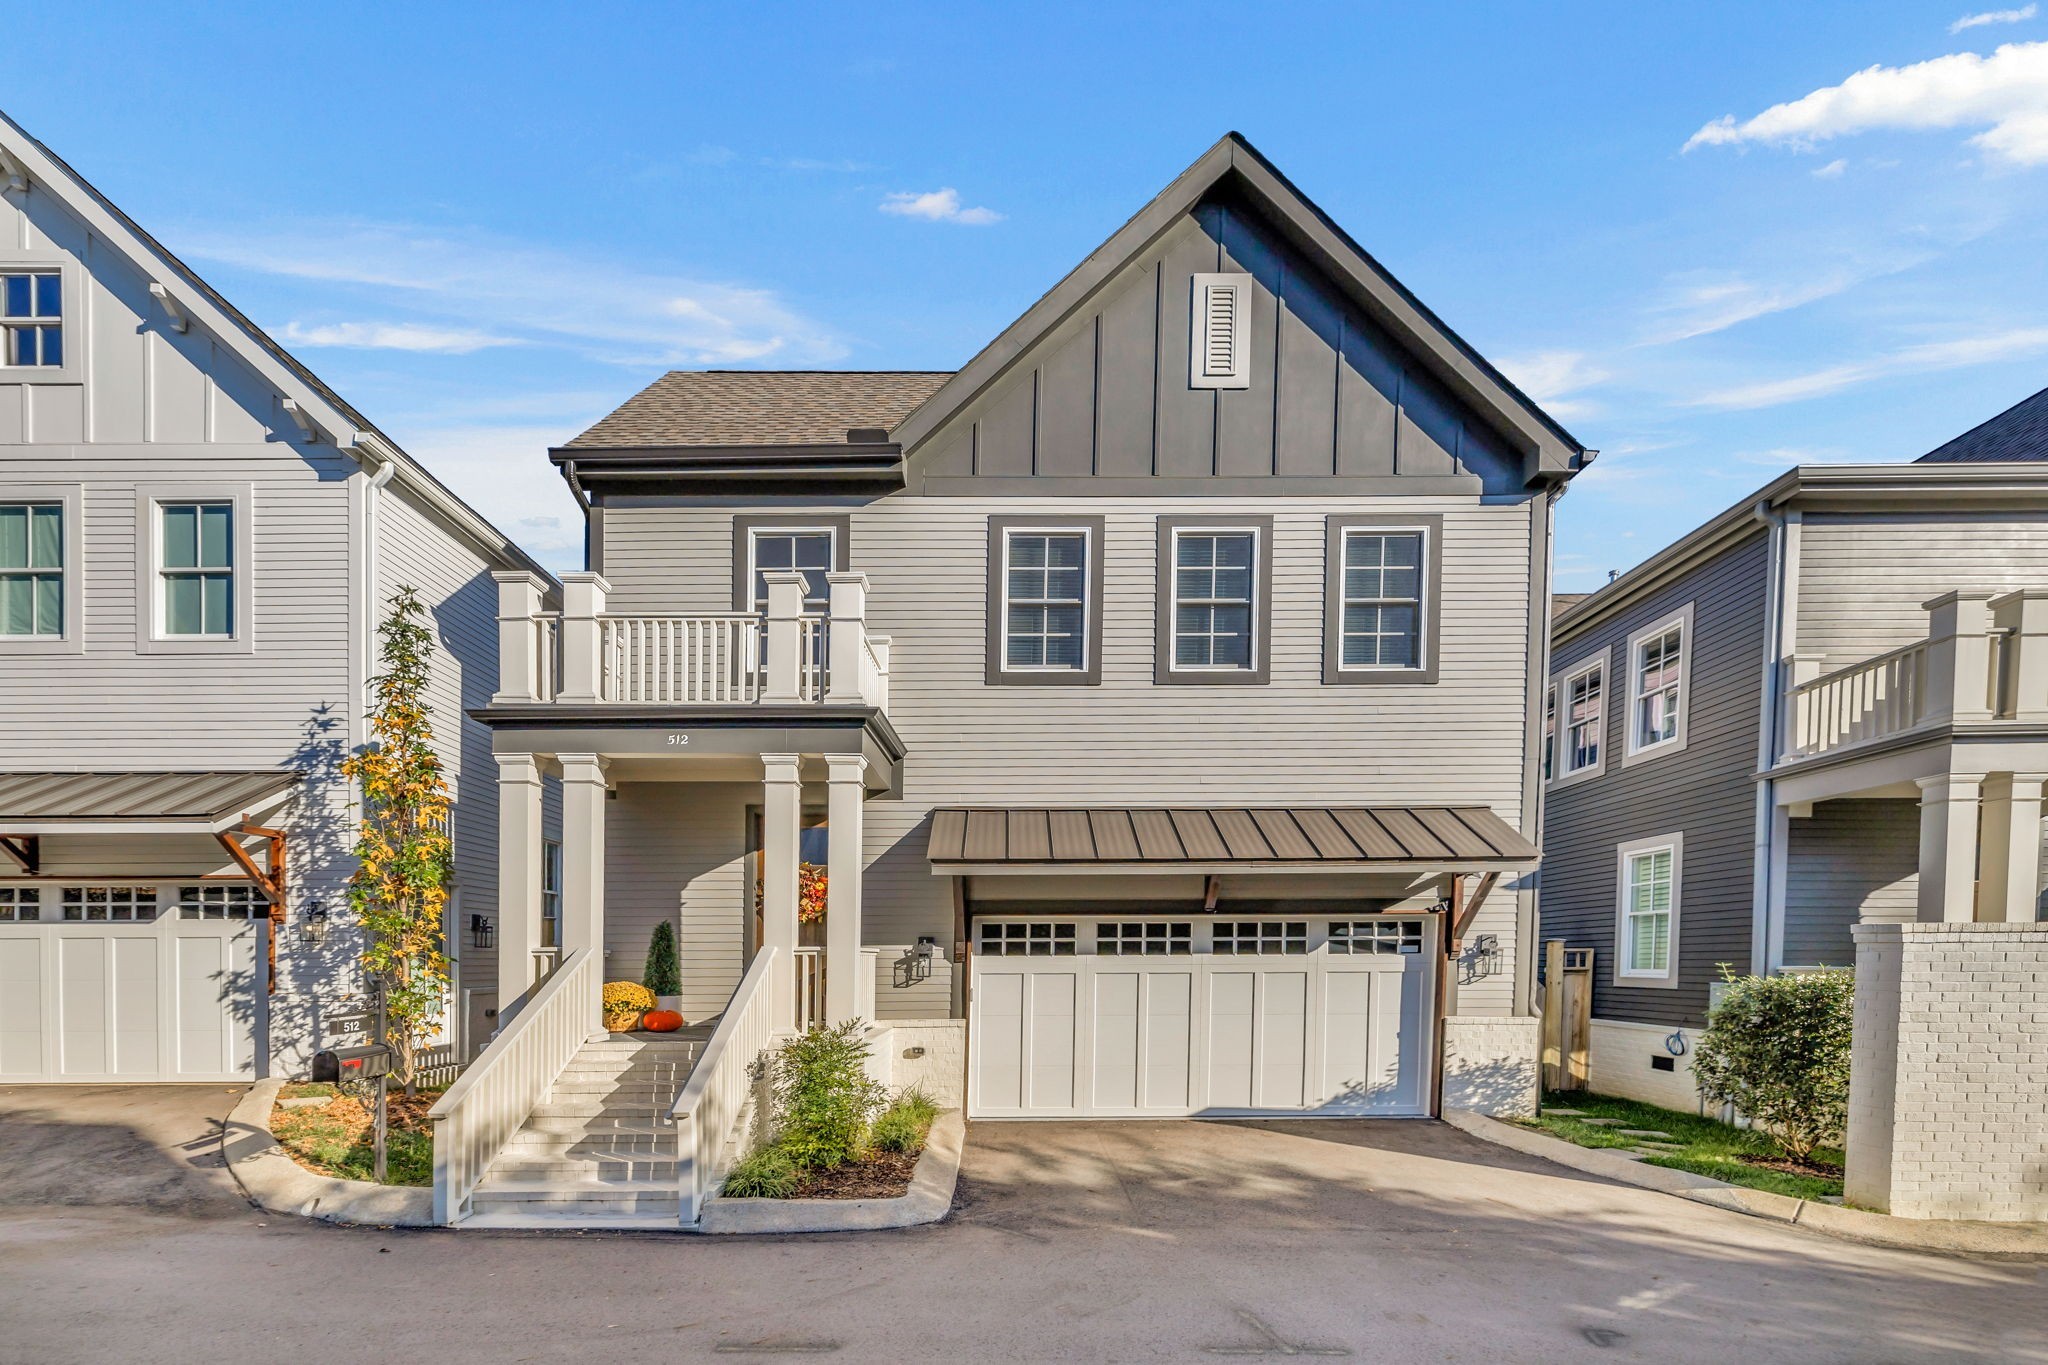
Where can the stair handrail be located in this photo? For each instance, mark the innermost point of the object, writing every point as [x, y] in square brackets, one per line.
[713, 1100]
[496, 1092]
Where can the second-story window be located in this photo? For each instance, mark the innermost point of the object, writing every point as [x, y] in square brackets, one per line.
[810, 551]
[196, 569]
[1584, 717]
[1213, 600]
[1382, 582]
[32, 317]
[31, 569]
[1657, 669]
[1045, 607]
[1549, 759]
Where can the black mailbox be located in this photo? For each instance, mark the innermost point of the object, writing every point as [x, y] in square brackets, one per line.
[362, 1063]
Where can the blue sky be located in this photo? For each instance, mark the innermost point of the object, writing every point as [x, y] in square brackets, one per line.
[1715, 240]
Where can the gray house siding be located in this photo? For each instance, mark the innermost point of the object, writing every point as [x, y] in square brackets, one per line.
[1850, 860]
[1706, 791]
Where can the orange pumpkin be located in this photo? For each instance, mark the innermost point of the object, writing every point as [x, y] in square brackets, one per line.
[661, 1021]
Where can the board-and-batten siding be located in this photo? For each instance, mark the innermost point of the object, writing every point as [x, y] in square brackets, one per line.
[1850, 860]
[1707, 791]
[1130, 741]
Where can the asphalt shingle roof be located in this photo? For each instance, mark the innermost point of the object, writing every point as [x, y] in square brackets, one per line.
[760, 408]
[2018, 433]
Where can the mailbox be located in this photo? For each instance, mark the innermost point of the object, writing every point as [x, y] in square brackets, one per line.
[362, 1063]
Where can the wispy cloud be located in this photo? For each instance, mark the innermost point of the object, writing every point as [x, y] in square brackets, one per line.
[467, 285]
[1555, 378]
[1699, 304]
[476, 460]
[938, 206]
[1832, 171]
[1995, 16]
[393, 336]
[2005, 93]
[1938, 355]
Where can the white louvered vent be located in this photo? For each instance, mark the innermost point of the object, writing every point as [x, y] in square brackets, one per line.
[1218, 348]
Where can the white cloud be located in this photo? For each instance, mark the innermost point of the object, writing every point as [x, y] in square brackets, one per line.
[464, 282]
[1552, 378]
[1832, 171]
[503, 472]
[1995, 16]
[1700, 304]
[1938, 355]
[937, 206]
[2006, 93]
[392, 336]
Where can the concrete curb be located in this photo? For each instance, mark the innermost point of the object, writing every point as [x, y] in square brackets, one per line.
[929, 1199]
[277, 1184]
[1860, 1225]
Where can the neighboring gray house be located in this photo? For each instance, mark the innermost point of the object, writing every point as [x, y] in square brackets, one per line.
[1822, 712]
[196, 540]
[1159, 694]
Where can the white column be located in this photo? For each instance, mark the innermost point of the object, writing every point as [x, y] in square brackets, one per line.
[1959, 656]
[519, 840]
[519, 595]
[848, 640]
[583, 596]
[785, 656]
[846, 789]
[781, 820]
[2010, 885]
[1948, 847]
[584, 786]
[2025, 614]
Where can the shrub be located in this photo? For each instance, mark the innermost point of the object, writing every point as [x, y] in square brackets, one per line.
[624, 997]
[824, 1098]
[905, 1124]
[1777, 1048]
[664, 968]
[766, 1174]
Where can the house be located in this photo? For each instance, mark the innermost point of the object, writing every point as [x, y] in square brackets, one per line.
[197, 540]
[1812, 733]
[1158, 695]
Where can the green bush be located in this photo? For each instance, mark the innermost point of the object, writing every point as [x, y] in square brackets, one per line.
[766, 1174]
[824, 1098]
[905, 1124]
[1777, 1048]
[664, 967]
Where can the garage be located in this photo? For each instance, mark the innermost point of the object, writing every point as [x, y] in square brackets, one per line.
[1160, 1017]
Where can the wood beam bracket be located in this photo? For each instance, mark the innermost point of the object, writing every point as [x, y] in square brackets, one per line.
[180, 320]
[269, 879]
[1212, 891]
[1466, 913]
[26, 849]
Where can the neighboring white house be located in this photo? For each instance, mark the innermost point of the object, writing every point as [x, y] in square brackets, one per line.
[196, 540]
[1159, 694]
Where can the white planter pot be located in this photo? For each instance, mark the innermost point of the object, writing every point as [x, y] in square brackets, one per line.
[669, 1002]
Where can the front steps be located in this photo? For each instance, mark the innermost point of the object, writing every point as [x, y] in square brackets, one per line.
[599, 1151]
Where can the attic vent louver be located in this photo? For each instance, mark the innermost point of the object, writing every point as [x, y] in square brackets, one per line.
[1218, 346]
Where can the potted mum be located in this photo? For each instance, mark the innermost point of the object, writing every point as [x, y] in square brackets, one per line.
[624, 1003]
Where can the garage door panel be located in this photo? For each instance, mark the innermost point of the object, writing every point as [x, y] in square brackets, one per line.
[82, 990]
[1169, 1037]
[1116, 1041]
[1282, 1038]
[1232, 996]
[999, 1039]
[1050, 1029]
[1348, 1070]
[21, 1007]
[136, 1001]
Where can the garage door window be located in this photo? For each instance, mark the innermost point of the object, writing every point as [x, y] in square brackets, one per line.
[112, 904]
[1144, 938]
[1045, 939]
[221, 902]
[1262, 936]
[20, 903]
[1377, 936]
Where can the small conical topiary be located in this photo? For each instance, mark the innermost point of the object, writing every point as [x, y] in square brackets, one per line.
[664, 967]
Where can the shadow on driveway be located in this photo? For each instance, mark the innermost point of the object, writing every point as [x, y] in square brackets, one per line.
[153, 1147]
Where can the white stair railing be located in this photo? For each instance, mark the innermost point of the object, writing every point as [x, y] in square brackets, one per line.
[713, 1101]
[494, 1096]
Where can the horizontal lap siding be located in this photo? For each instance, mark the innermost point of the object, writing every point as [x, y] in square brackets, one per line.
[1707, 791]
[1850, 860]
[677, 851]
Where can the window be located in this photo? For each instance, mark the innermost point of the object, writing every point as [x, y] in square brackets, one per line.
[113, 904]
[1219, 350]
[1046, 617]
[1584, 719]
[32, 317]
[20, 903]
[222, 900]
[32, 569]
[1379, 615]
[1261, 936]
[809, 552]
[1646, 922]
[196, 569]
[550, 893]
[1043, 939]
[1212, 599]
[1657, 671]
[1549, 759]
[1144, 938]
[1377, 936]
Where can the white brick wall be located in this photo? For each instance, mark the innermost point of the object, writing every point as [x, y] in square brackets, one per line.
[941, 1072]
[1948, 1111]
[1619, 1062]
[1490, 1064]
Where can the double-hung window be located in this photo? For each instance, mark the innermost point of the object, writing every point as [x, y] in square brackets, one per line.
[809, 551]
[32, 317]
[1549, 759]
[1646, 925]
[1213, 586]
[1582, 698]
[1045, 606]
[196, 570]
[1380, 579]
[550, 893]
[1657, 673]
[32, 569]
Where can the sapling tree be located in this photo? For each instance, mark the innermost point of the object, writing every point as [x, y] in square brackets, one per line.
[664, 967]
[1777, 1048]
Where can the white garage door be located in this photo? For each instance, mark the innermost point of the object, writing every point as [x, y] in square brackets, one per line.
[128, 983]
[1158, 1018]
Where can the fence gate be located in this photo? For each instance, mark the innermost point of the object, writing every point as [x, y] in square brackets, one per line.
[1567, 1014]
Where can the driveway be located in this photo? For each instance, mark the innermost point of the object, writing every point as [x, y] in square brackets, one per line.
[1374, 1241]
[154, 1147]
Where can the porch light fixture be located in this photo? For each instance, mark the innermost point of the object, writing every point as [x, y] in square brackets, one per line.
[921, 957]
[313, 924]
[483, 933]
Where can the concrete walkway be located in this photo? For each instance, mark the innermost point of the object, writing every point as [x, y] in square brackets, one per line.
[1375, 1241]
[153, 1147]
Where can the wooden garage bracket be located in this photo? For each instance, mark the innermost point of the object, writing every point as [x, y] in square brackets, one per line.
[270, 880]
[26, 849]
[1464, 914]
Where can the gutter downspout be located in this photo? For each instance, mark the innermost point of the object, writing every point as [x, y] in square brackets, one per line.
[582, 501]
[1529, 901]
[1770, 723]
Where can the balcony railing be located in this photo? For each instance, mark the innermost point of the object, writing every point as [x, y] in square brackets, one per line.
[1870, 700]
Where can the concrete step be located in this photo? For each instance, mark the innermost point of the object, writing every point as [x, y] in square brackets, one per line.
[648, 1140]
[645, 1110]
[594, 1120]
[579, 1169]
[666, 1067]
[626, 1086]
[580, 1196]
[526, 1218]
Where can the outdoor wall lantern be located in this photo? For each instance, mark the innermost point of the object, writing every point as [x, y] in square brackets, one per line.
[921, 966]
[313, 924]
[483, 933]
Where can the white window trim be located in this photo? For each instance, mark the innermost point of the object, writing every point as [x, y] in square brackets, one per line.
[1687, 645]
[1561, 774]
[798, 528]
[1423, 662]
[68, 496]
[1088, 588]
[149, 632]
[1548, 752]
[1252, 603]
[72, 371]
[1623, 853]
[551, 861]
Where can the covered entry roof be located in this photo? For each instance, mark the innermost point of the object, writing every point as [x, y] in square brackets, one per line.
[32, 803]
[1332, 838]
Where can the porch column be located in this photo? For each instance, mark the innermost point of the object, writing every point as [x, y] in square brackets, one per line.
[519, 838]
[584, 786]
[781, 820]
[2024, 613]
[783, 682]
[582, 678]
[848, 641]
[519, 597]
[1948, 847]
[845, 791]
[2011, 883]
[1959, 656]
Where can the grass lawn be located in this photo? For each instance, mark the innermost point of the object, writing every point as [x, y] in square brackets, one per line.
[1711, 1148]
[334, 1138]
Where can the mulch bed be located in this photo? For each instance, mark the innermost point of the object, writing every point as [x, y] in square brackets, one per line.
[1819, 1169]
[334, 1138]
[881, 1175]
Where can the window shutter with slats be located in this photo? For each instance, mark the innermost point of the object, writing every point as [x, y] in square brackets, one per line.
[1220, 315]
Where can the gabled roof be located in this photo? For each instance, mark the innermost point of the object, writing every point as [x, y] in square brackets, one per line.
[761, 408]
[1550, 450]
[2020, 433]
[24, 159]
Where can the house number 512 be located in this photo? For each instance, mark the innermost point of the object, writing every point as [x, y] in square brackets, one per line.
[677, 741]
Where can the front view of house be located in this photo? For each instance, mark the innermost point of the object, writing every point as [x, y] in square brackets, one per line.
[1157, 697]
